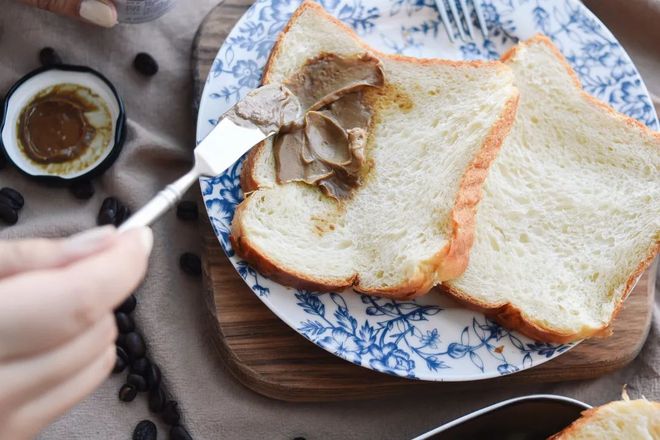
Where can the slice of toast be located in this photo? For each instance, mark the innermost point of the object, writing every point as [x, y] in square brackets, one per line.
[436, 127]
[570, 216]
[620, 420]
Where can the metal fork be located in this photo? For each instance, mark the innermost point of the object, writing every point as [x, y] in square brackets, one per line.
[454, 13]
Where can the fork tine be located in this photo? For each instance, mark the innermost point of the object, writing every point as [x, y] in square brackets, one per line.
[468, 19]
[457, 19]
[480, 17]
[442, 10]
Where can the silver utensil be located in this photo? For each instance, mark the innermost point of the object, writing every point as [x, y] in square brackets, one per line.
[225, 144]
[457, 19]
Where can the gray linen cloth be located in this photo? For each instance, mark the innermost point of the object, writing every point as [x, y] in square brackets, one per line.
[171, 311]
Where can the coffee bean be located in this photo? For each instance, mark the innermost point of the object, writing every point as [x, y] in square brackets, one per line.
[128, 305]
[179, 433]
[8, 214]
[48, 57]
[190, 264]
[134, 345]
[140, 366]
[145, 64]
[122, 214]
[122, 354]
[170, 413]
[157, 400]
[153, 376]
[108, 212]
[120, 365]
[299, 438]
[137, 381]
[82, 189]
[125, 323]
[16, 198]
[145, 430]
[127, 393]
[120, 342]
[187, 210]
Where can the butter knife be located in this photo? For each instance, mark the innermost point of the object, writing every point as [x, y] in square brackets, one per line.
[258, 116]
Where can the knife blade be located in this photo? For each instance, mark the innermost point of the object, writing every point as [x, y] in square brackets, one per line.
[255, 118]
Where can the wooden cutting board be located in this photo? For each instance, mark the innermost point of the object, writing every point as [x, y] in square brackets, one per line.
[269, 357]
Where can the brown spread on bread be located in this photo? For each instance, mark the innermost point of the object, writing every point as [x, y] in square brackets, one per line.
[270, 108]
[326, 148]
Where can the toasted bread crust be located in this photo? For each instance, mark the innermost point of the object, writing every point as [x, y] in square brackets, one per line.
[451, 260]
[510, 316]
[464, 213]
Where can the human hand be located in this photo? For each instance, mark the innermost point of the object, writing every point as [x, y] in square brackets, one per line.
[99, 12]
[57, 327]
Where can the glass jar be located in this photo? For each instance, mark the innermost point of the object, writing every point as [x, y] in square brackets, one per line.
[141, 11]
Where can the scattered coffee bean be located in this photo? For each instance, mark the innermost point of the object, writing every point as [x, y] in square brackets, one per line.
[48, 57]
[137, 381]
[120, 364]
[145, 430]
[108, 212]
[187, 210]
[8, 214]
[190, 264]
[145, 64]
[170, 413]
[134, 345]
[121, 343]
[82, 189]
[125, 323]
[123, 213]
[153, 376]
[122, 354]
[157, 400]
[127, 393]
[140, 366]
[128, 305]
[16, 198]
[299, 438]
[179, 433]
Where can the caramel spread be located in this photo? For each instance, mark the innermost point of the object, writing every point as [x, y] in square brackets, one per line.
[53, 127]
[326, 148]
[270, 108]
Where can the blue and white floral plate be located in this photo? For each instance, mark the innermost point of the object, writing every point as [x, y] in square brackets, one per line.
[429, 338]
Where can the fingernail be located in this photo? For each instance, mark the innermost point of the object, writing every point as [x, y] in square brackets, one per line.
[98, 12]
[87, 242]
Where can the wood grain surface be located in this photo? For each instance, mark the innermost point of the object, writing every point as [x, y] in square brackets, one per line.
[272, 359]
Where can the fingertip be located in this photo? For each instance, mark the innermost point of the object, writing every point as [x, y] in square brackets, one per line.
[98, 12]
[143, 235]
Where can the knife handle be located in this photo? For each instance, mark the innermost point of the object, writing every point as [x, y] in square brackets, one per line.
[161, 203]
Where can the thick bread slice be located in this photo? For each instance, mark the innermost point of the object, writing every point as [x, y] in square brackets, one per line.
[621, 420]
[570, 216]
[437, 126]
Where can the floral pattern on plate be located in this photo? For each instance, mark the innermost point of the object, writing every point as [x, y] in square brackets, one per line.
[429, 338]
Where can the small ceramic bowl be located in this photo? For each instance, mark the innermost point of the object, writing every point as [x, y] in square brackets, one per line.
[35, 82]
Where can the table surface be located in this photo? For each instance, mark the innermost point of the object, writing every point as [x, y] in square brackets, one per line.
[171, 311]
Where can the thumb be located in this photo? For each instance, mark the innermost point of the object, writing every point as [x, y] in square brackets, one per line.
[98, 12]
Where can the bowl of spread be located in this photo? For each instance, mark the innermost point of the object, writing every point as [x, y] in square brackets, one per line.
[62, 123]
